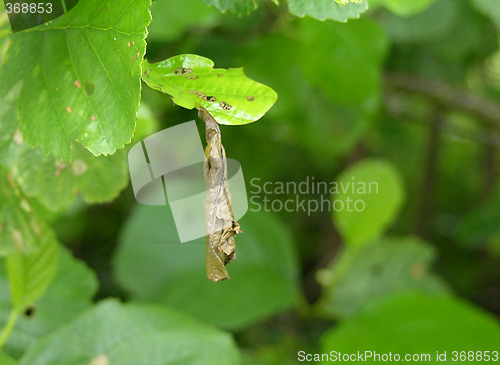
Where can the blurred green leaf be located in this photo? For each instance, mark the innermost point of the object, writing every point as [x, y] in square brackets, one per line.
[301, 111]
[30, 274]
[20, 226]
[67, 296]
[6, 360]
[403, 7]
[131, 334]
[228, 95]
[431, 25]
[489, 8]
[154, 266]
[85, 67]
[386, 266]
[170, 21]
[327, 9]
[343, 60]
[416, 324]
[55, 184]
[369, 197]
[238, 7]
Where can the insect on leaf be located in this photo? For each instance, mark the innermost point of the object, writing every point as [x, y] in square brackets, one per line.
[228, 95]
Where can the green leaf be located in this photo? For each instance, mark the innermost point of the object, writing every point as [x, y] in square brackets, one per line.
[228, 95]
[389, 265]
[8, 118]
[21, 228]
[55, 184]
[490, 9]
[171, 21]
[435, 23]
[343, 60]
[30, 274]
[68, 295]
[85, 68]
[369, 196]
[416, 324]
[154, 266]
[131, 334]
[403, 7]
[238, 7]
[6, 360]
[327, 9]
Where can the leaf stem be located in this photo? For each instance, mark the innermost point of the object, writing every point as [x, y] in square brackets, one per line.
[14, 313]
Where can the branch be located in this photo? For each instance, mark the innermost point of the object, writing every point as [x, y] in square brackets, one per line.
[448, 96]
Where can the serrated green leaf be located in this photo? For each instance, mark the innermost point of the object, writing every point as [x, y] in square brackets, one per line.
[85, 69]
[69, 294]
[403, 7]
[415, 324]
[55, 184]
[131, 334]
[30, 274]
[369, 196]
[343, 60]
[150, 260]
[388, 265]
[327, 9]
[20, 226]
[228, 95]
[238, 7]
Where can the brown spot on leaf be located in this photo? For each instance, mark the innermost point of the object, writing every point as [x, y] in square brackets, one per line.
[77, 84]
[418, 270]
[68, 109]
[251, 98]
[138, 54]
[192, 77]
[225, 105]
[182, 71]
[220, 75]
[128, 44]
[133, 42]
[92, 117]
[59, 167]
[146, 74]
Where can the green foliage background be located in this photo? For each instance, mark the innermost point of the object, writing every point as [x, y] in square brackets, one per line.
[402, 93]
